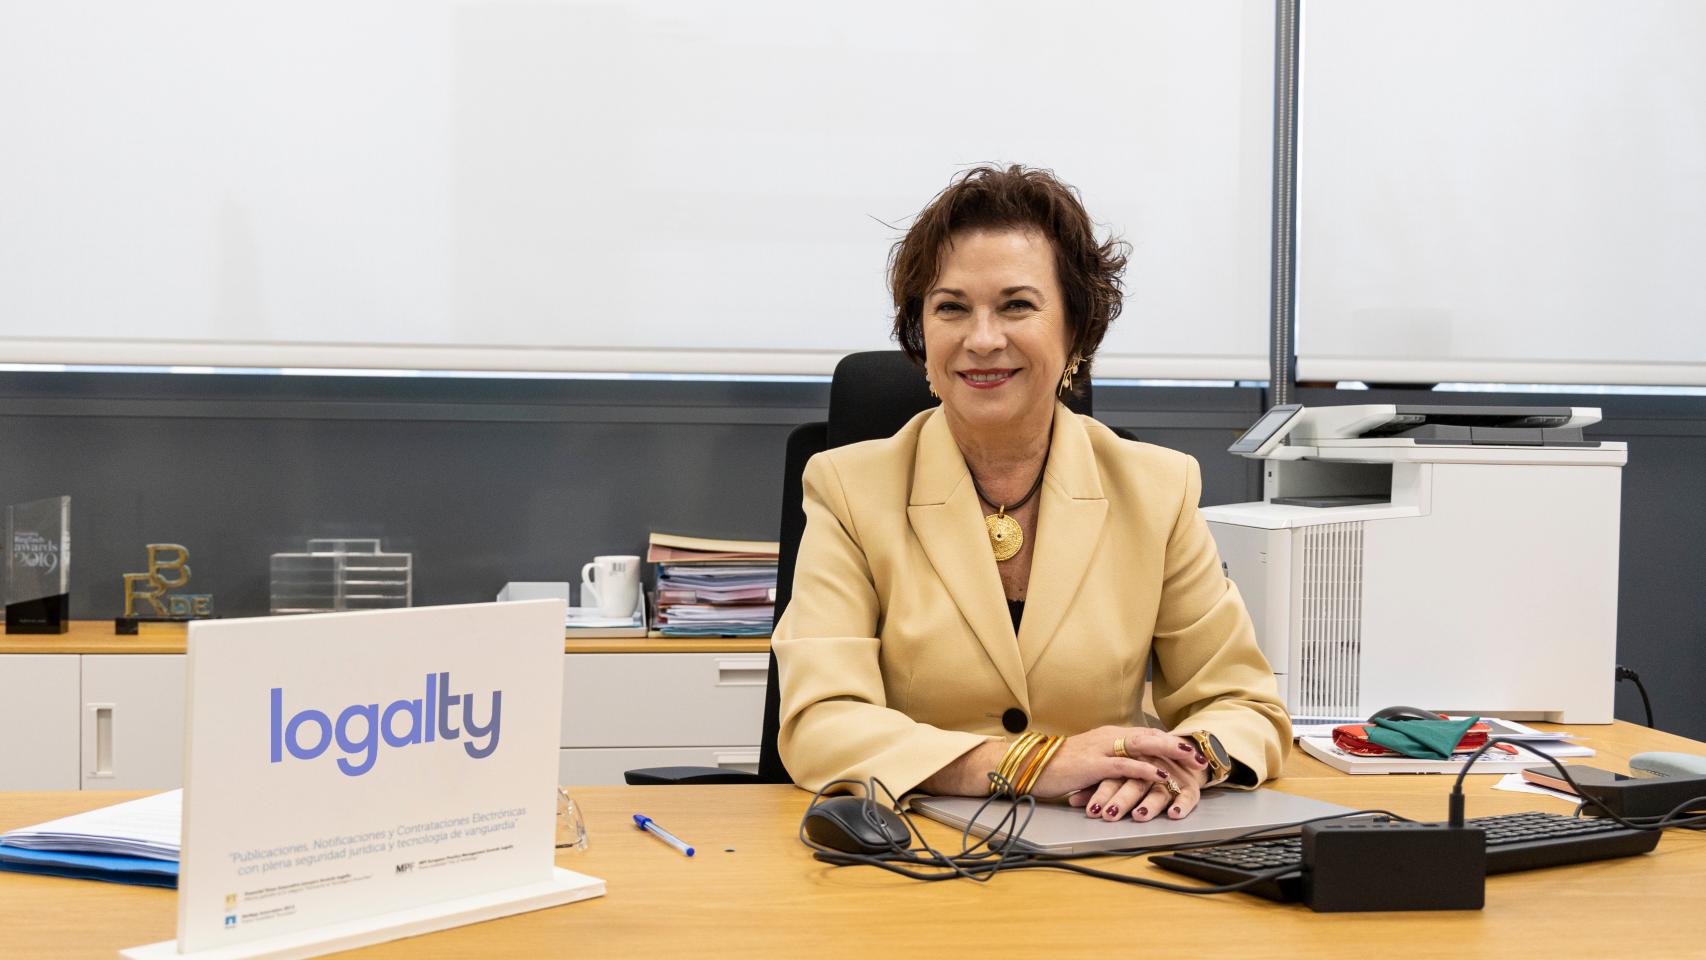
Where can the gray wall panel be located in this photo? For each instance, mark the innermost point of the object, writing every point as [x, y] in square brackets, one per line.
[1200, 421]
[482, 480]
[493, 480]
[481, 490]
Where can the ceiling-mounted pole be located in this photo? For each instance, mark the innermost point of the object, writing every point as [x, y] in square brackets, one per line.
[1282, 343]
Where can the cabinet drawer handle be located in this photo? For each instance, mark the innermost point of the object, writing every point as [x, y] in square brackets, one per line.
[742, 673]
[100, 740]
[744, 761]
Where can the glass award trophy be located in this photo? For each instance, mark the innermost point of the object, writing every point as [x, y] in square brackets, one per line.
[38, 566]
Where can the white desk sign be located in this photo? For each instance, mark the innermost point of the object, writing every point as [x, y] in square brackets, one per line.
[352, 778]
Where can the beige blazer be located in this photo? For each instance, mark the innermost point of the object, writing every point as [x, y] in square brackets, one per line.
[897, 652]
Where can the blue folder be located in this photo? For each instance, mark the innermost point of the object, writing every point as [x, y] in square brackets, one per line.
[90, 866]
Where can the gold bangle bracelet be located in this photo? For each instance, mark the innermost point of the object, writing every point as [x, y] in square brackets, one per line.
[1045, 754]
[1016, 751]
[1017, 756]
[1048, 757]
[1010, 760]
[1034, 765]
[1034, 772]
[1025, 771]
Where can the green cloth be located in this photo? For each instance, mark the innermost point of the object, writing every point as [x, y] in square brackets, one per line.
[1422, 739]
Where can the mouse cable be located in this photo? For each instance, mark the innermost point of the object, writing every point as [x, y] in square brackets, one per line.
[969, 851]
[987, 871]
[906, 864]
[1662, 822]
[956, 866]
[981, 860]
[975, 864]
[1671, 818]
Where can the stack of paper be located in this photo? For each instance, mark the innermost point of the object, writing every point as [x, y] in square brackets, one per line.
[714, 588]
[589, 621]
[134, 842]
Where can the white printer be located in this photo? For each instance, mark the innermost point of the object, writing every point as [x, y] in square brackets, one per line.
[1455, 558]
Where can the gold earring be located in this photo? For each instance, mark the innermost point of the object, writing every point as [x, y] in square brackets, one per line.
[932, 388]
[1067, 375]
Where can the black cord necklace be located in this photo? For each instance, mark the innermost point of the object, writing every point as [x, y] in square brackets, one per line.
[1005, 536]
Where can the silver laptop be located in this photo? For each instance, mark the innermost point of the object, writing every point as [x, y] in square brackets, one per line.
[1060, 829]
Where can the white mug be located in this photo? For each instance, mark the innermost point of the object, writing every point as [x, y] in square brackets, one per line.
[613, 583]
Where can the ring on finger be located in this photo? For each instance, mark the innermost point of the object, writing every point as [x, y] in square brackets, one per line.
[1173, 789]
[1119, 748]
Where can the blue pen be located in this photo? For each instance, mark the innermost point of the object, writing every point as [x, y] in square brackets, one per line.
[647, 823]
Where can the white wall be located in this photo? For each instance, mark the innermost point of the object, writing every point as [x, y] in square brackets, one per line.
[1503, 191]
[668, 186]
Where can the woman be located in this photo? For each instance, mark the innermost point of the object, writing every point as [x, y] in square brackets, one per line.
[1003, 568]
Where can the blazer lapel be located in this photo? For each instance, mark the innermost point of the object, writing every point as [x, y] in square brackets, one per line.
[948, 520]
[1069, 524]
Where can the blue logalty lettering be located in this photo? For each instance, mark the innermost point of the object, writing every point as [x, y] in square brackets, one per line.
[361, 729]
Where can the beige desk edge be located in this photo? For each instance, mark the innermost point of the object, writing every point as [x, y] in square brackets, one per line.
[97, 636]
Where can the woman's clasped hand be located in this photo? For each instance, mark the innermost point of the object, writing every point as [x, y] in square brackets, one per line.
[1159, 774]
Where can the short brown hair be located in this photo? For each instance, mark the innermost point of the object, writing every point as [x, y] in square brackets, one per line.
[990, 198]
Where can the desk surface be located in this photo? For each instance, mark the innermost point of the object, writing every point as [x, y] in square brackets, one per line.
[769, 898]
[97, 636]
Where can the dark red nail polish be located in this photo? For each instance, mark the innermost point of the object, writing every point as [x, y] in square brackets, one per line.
[1201, 758]
[1161, 774]
[1143, 811]
[1095, 808]
[1113, 812]
[1176, 811]
[1186, 747]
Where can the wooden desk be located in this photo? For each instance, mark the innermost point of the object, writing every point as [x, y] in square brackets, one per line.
[769, 898]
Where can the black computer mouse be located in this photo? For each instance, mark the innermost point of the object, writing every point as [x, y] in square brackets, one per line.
[855, 825]
[1403, 713]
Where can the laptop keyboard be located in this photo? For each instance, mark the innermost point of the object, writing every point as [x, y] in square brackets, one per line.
[1515, 841]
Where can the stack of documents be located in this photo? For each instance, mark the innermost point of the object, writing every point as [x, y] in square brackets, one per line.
[714, 588]
[1500, 759]
[134, 842]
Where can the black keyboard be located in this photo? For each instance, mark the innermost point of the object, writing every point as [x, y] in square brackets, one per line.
[1515, 841]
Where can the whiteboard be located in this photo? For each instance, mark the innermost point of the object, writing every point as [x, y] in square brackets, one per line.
[658, 186]
[1510, 191]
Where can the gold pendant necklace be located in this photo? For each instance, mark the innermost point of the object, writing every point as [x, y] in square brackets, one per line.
[1006, 538]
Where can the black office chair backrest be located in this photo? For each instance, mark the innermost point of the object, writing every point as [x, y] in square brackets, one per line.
[871, 396]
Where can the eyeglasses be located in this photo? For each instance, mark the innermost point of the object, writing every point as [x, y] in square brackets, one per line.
[571, 828]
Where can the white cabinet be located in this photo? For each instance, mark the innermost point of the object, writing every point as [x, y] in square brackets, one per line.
[622, 711]
[132, 721]
[38, 714]
[116, 721]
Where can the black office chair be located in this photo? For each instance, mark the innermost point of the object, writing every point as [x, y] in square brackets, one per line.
[871, 396]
